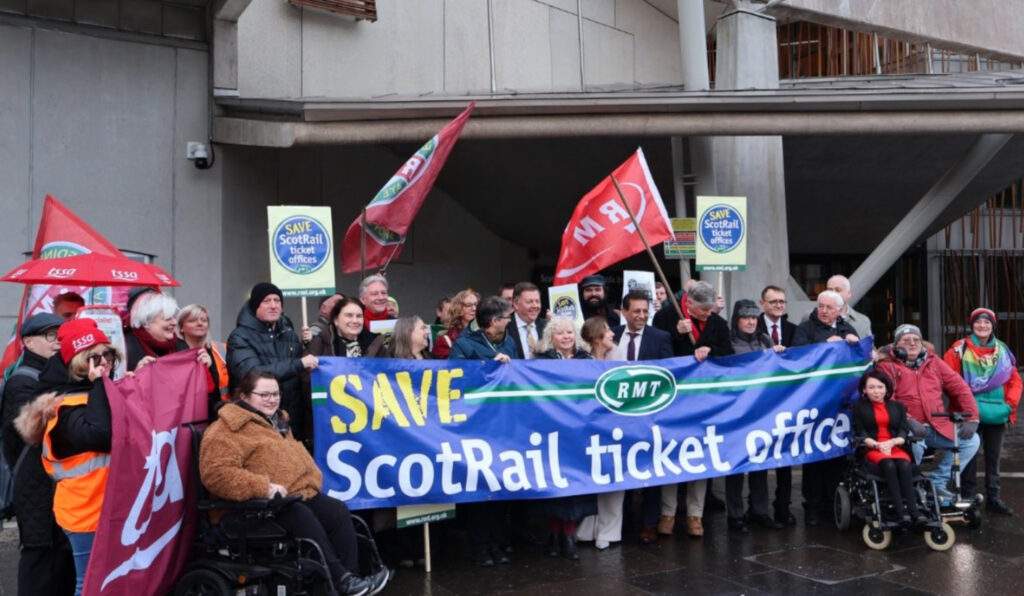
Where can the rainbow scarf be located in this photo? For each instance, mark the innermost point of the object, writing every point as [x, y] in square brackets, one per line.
[985, 373]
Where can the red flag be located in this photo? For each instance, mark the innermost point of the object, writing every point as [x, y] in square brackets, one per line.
[61, 234]
[149, 515]
[600, 232]
[389, 215]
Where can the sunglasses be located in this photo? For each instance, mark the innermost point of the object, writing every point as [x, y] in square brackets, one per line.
[110, 355]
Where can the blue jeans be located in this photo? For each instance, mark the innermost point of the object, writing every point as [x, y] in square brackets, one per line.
[940, 476]
[81, 548]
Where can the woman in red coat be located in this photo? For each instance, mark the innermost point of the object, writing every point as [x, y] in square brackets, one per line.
[880, 428]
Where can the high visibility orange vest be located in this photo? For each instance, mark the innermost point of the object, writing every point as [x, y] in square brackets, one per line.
[220, 361]
[81, 479]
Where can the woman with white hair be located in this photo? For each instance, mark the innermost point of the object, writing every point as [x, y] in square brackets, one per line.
[153, 331]
[561, 342]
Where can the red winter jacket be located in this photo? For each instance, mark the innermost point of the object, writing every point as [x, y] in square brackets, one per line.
[921, 391]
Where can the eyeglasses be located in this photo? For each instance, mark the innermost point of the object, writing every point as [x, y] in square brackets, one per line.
[910, 340]
[110, 355]
[266, 394]
[49, 335]
[827, 307]
[469, 304]
[506, 316]
[778, 302]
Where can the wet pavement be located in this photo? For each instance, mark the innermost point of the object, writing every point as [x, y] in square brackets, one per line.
[799, 560]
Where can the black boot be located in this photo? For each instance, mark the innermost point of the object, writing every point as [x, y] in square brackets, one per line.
[554, 545]
[569, 547]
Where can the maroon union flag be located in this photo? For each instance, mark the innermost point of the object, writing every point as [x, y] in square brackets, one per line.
[149, 513]
[389, 215]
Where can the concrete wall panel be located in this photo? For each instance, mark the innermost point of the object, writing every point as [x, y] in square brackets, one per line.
[565, 51]
[103, 135]
[270, 50]
[403, 52]
[196, 260]
[467, 64]
[15, 148]
[600, 11]
[522, 50]
[608, 55]
[655, 41]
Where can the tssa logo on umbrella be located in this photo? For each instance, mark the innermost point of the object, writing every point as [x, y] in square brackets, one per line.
[60, 273]
[636, 390]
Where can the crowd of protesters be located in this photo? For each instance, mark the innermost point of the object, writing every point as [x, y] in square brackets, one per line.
[57, 433]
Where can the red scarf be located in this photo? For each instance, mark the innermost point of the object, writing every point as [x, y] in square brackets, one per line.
[698, 325]
[369, 317]
[152, 346]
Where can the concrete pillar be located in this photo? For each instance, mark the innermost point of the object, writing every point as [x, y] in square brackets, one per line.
[752, 166]
[694, 49]
[225, 45]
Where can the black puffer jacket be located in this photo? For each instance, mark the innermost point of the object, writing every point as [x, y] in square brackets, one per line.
[277, 349]
[33, 488]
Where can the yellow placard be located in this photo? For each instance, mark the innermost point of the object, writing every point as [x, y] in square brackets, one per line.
[301, 250]
[564, 301]
[721, 233]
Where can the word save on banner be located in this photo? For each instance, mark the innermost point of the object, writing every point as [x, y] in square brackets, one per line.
[301, 259]
[721, 233]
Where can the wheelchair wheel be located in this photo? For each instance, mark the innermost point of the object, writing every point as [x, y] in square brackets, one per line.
[973, 517]
[940, 539]
[875, 537]
[841, 508]
[202, 582]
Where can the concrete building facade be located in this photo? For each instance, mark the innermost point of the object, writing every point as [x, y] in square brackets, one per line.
[310, 107]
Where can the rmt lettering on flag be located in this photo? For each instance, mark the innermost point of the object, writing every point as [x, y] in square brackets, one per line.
[601, 233]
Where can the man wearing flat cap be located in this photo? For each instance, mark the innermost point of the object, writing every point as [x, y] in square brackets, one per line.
[45, 561]
[595, 300]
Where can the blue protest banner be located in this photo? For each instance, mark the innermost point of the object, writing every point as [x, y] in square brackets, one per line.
[402, 432]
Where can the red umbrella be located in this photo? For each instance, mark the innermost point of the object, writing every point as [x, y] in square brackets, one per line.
[90, 269]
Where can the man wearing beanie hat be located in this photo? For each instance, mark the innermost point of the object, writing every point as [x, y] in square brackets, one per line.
[45, 561]
[919, 381]
[990, 369]
[265, 340]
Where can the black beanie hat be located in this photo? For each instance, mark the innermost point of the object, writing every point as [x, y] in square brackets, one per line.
[261, 291]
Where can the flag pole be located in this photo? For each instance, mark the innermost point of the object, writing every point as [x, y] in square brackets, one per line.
[650, 253]
[362, 247]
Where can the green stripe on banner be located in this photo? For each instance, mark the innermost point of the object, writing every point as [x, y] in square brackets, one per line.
[543, 394]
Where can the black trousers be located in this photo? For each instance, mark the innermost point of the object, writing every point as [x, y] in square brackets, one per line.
[327, 522]
[46, 570]
[899, 478]
[992, 444]
[820, 480]
[758, 483]
[783, 491]
[486, 524]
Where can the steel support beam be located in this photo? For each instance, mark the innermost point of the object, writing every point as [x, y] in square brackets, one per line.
[906, 233]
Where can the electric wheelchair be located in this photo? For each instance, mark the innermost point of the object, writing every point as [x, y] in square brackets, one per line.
[248, 553]
[863, 494]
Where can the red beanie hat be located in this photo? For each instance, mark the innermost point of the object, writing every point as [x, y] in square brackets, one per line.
[77, 336]
[983, 312]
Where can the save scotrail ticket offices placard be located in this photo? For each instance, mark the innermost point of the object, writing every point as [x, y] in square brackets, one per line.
[301, 257]
[721, 233]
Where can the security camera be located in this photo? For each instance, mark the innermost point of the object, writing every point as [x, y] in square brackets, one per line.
[199, 153]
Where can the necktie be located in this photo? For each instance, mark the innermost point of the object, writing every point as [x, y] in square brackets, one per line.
[775, 334]
[631, 348]
[531, 337]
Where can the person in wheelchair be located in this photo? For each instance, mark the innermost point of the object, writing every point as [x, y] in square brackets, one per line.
[880, 429]
[249, 453]
[920, 378]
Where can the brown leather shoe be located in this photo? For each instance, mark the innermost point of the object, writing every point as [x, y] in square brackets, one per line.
[666, 525]
[648, 535]
[694, 527]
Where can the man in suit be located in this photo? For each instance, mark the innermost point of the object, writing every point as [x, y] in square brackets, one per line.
[859, 321]
[700, 333]
[773, 323]
[528, 325]
[639, 341]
